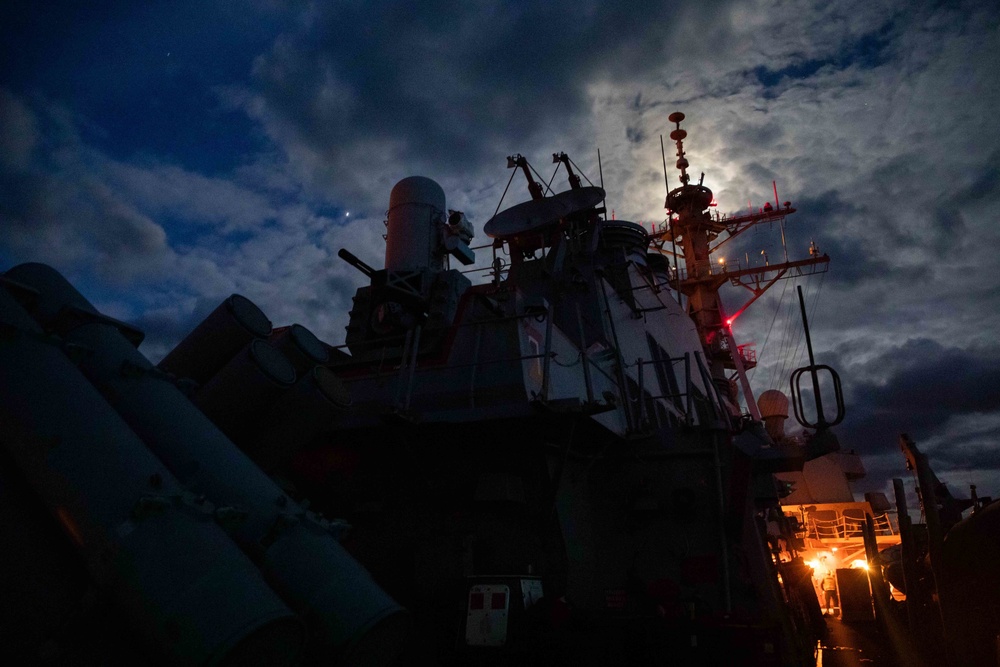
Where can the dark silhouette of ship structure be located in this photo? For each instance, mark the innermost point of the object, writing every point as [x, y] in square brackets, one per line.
[552, 466]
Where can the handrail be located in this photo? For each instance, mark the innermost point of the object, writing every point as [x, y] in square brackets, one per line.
[846, 526]
[406, 366]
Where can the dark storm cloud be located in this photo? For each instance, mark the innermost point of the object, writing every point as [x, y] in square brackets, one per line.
[634, 135]
[758, 135]
[927, 381]
[53, 209]
[979, 184]
[923, 388]
[947, 399]
[863, 51]
[825, 219]
[976, 451]
[985, 185]
[449, 83]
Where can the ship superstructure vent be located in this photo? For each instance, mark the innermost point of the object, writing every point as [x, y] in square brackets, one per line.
[627, 237]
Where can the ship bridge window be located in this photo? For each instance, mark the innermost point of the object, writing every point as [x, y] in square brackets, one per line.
[665, 373]
[536, 362]
[652, 411]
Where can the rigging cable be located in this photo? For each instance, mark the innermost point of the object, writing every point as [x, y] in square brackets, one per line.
[812, 317]
[540, 177]
[795, 333]
[578, 170]
[500, 203]
[786, 334]
[763, 347]
[548, 186]
[793, 359]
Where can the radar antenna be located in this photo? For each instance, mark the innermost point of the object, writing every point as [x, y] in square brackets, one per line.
[678, 136]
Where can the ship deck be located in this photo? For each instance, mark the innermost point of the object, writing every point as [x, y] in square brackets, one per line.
[864, 645]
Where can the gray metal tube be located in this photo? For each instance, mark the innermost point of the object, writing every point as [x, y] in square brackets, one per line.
[217, 339]
[237, 397]
[346, 611]
[182, 583]
[295, 419]
[301, 347]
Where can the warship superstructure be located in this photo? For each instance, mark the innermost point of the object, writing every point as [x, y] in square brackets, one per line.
[552, 466]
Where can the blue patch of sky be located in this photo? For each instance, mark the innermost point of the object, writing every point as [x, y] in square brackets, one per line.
[335, 213]
[176, 123]
[281, 198]
[142, 75]
[866, 52]
[238, 237]
[218, 246]
[8, 259]
[116, 298]
[183, 233]
[265, 225]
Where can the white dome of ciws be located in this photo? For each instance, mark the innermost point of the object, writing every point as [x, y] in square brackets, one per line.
[420, 230]
[773, 406]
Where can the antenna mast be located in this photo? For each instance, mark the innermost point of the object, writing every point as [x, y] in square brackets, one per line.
[670, 224]
[696, 230]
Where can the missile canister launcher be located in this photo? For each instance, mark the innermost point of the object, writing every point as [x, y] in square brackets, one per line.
[149, 543]
[276, 434]
[347, 616]
[219, 337]
[301, 347]
[252, 380]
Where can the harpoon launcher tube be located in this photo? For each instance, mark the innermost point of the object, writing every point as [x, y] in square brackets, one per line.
[348, 616]
[191, 594]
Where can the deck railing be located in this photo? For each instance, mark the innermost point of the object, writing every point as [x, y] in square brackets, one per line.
[844, 526]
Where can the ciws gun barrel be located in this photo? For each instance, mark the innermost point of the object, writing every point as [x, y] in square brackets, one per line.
[356, 263]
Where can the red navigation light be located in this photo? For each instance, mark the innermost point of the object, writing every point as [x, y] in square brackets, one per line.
[732, 318]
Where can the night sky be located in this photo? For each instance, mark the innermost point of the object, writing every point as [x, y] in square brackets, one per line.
[164, 155]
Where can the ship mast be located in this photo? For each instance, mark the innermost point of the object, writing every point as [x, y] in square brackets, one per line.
[690, 225]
